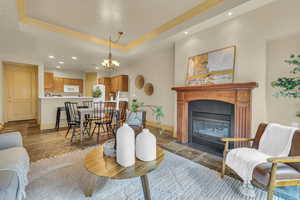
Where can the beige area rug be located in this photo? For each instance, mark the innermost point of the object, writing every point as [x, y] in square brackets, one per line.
[65, 178]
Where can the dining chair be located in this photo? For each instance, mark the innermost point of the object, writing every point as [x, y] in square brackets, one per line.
[122, 115]
[88, 104]
[73, 118]
[102, 115]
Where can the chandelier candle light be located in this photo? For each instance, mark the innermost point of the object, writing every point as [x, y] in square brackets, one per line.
[109, 64]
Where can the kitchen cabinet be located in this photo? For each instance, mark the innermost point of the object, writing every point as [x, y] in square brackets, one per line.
[114, 84]
[49, 82]
[119, 83]
[77, 82]
[107, 82]
[58, 84]
[122, 83]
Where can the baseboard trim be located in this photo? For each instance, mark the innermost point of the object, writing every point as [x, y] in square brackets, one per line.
[165, 127]
[52, 126]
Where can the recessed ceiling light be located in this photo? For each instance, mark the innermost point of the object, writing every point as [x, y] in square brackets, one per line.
[57, 67]
[97, 68]
[51, 57]
[186, 32]
[230, 13]
[74, 58]
[61, 62]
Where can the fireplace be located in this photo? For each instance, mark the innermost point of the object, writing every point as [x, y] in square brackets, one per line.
[209, 121]
[207, 113]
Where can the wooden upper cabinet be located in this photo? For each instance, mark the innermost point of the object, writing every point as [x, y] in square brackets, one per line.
[49, 82]
[119, 83]
[123, 83]
[72, 81]
[114, 84]
[104, 80]
[107, 82]
[80, 83]
[58, 84]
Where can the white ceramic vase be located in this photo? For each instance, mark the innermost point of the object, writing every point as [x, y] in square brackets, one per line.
[146, 146]
[125, 146]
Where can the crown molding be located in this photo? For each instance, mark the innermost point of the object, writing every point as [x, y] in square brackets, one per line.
[199, 9]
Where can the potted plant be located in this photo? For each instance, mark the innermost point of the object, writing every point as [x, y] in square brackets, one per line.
[97, 93]
[157, 112]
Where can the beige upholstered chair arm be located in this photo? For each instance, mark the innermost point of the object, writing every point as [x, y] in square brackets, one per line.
[290, 159]
[237, 139]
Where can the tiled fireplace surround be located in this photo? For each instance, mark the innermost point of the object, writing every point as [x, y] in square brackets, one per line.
[238, 94]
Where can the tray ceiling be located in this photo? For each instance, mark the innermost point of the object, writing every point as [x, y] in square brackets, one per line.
[30, 32]
[95, 19]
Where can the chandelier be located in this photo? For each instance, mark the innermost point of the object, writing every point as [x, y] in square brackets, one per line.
[109, 64]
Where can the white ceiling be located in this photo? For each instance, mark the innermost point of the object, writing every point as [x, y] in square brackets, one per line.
[102, 17]
[97, 18]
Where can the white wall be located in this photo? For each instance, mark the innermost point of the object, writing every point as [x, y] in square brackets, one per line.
[157, 67]
[281, 110]
[250, 33]
[1, 94]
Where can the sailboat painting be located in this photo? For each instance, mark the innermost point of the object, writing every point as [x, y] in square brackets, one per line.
[214, 67]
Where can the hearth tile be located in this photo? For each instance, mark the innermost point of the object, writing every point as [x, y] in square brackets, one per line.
[209, 160]
[163, 141]
[189, 153]
[173, 146]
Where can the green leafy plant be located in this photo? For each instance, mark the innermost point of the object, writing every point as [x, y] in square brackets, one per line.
[135, 105]
[157, 111]
[289, 86]
[97, 93]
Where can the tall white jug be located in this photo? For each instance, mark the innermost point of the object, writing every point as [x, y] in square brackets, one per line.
[146, 146]
[125, 146]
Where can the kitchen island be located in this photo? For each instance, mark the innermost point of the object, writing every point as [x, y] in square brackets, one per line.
[48, 109]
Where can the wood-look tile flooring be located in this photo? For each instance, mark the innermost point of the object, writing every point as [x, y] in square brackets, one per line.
[41, 145]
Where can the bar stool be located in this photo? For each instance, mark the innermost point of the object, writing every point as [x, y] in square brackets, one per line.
[58, 114]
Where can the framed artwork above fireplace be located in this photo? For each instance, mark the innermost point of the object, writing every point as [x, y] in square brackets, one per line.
[214, 67]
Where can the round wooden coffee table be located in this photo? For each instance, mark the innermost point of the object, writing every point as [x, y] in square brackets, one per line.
[103, 166]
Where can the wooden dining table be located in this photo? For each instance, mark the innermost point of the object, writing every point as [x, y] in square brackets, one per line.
[83, 111]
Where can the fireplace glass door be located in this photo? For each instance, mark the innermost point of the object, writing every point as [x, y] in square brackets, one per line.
[210, 126]
[209, 121]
